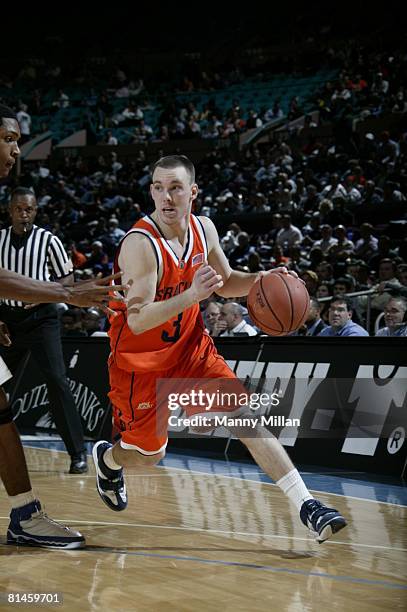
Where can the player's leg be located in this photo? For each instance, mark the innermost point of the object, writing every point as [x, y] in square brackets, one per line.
[110, 461]
[13, 467]
[140, 446]
[273, 459]
[29, 525]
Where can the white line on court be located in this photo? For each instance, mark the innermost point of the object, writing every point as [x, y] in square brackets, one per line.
[270, 484]
[221, 532]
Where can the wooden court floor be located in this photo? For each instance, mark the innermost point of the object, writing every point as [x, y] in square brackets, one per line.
[202, 542]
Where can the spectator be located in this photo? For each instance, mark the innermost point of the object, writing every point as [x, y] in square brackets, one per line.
[367, 245]
[71, 323]
[211, 316]
[323, 290]
[387, 274]
[24, 120]
[313, 323]
[232, 314]
[343, 248]
[402, 274]
[394, 318]
[289, 234]
[340, 319]
[240, 254]
[98, 260]
[327, 241]
[311, 281]
[93, 323]
[343, 285]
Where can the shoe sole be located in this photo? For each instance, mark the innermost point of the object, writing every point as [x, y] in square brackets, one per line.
[18, 540]
[335, 525]
[102, 496]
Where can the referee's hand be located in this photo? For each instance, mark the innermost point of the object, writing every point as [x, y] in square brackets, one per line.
[5, 338]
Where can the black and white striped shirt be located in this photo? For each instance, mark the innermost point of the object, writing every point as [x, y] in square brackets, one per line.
[40, 255]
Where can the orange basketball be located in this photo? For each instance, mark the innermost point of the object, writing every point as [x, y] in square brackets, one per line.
[278, 303]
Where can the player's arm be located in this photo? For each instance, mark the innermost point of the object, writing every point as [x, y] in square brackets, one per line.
[66, 281]
[15, 286]
[139, 266]
[235, 283]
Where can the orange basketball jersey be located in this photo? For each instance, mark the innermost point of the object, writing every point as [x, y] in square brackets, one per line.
[162, 347]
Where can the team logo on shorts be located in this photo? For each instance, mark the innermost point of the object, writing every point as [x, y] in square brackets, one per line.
[144, 406]
[197, 259]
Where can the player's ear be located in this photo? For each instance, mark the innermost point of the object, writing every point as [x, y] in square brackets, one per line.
[194, 191]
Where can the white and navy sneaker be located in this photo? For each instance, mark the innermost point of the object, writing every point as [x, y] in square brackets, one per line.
[323, 522]
[30, 526]
[109, 483]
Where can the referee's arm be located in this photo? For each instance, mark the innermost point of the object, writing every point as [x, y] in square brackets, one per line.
[60, 263]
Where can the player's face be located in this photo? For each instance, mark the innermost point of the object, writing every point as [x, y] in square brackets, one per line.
[9, 151]
[393, 313]
[173, 194]
[339, 315]
[23, 210]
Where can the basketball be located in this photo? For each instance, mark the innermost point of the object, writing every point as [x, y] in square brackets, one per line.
[278, 303]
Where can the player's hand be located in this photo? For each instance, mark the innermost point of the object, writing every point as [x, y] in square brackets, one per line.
[279, 270]
[5, 336]
[97, 292]
[206, 281]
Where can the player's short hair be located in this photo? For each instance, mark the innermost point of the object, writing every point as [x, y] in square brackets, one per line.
[6, 113]
[174, 161]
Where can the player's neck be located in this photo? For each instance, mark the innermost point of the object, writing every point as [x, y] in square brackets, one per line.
[172, 232]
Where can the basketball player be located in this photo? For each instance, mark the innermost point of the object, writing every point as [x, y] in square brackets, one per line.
[173, 260]
[29, 525]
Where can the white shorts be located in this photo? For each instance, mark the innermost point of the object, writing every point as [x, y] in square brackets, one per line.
[5, 373]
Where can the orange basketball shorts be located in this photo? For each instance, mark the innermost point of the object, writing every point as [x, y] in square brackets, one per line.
[140, 417]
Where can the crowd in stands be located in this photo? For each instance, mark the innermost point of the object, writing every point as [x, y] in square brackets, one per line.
[334, 204]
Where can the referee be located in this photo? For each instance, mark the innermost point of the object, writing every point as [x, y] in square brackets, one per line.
[38, 254]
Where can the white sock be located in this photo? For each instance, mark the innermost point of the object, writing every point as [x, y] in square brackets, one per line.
[109, 461]
[294, 487]
[22, 499]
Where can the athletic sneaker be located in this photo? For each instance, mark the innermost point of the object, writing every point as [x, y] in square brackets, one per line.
[30, 526]
[109, 483]
[323, 522]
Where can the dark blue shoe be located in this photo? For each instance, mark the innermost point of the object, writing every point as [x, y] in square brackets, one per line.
[323, 522]
[30, 526]
[109, 483]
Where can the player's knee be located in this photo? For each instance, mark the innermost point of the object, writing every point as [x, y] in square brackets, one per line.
[151, 460]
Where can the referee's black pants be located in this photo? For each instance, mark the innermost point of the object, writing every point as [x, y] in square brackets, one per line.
[38, 331]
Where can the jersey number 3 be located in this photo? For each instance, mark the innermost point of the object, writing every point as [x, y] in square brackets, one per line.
[165, 336]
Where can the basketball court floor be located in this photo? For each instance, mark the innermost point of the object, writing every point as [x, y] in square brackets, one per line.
[203, 535]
